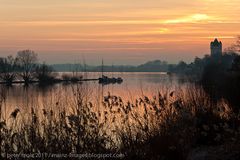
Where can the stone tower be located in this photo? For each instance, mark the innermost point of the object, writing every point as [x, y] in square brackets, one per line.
[216, 48]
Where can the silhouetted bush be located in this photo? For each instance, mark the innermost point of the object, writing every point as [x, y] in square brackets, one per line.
[71, 78]
[220, 78]
[44, 74]
[8, 69]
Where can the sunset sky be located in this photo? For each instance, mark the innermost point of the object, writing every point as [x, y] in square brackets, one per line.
[119, 31]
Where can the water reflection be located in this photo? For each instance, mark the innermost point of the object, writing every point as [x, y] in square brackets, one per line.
[133, 86]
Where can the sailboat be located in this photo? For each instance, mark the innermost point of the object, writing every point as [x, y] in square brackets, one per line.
[107, 80]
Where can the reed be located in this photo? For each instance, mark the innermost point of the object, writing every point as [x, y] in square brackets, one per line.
[166, 126]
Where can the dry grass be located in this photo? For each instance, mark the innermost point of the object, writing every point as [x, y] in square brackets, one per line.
[166, 126]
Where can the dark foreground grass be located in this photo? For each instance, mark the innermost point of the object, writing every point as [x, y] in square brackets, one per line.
[170, 125]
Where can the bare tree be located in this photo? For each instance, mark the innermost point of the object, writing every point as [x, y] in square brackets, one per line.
[8, 67]
[27, 60]
[234, 48]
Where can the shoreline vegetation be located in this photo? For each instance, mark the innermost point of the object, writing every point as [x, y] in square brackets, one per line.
[174, 124]
[25, 69]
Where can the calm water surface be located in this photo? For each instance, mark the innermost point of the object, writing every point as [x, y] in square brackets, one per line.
[134, 85]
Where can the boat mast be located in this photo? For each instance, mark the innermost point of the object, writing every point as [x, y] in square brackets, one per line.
[112, 70]
[102, 68]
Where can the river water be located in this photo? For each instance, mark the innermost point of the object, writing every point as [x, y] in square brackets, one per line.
[134, 85]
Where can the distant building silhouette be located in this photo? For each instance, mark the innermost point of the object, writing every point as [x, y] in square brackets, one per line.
[216, 48]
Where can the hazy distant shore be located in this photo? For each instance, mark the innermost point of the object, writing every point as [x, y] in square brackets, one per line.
[151, 66]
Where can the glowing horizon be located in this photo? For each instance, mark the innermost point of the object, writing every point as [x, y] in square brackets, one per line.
[121, 32]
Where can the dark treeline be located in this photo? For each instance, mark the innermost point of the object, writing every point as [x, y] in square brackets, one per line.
[200, 66]
[220, 76]
[25, 68]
